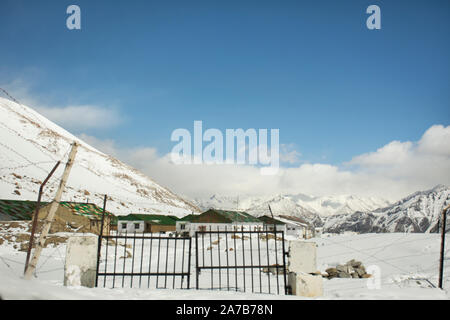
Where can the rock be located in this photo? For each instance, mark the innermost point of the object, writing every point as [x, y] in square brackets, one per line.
[361, 271]
[344, 275]
[341, 268]
[354, 263]
[332, 271]
[350, 270]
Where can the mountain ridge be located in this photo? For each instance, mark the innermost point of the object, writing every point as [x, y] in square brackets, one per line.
[417, 212]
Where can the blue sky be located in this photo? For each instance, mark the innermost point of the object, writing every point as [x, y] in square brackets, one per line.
[309, 68]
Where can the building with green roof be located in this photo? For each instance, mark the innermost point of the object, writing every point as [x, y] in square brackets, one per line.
[218, 220]
[152, 223]
[82, 216]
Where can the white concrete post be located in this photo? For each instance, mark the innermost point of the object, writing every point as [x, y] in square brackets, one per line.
[81, 261]
[302, 265]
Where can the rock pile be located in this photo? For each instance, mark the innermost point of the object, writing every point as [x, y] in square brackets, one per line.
[352, 269]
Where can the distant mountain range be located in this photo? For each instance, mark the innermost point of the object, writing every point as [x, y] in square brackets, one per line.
[313, 209]
[418, 212]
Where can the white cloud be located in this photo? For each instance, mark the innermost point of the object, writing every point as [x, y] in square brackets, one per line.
[72, 116]
[80, 117]
[394, 152]
[435, 141]
[392, 171]
[288, 154]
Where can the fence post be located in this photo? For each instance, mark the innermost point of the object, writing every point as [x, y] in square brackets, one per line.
[286, 286]
[189, 264]
[441, 261]
[100, 236]
[51, 213]
[197, 271]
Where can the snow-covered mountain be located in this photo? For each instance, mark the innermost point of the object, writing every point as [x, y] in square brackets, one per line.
[229, 202]
[286, 205]
[419, 212]
[313, 209]
[341, 204]
[30, 145]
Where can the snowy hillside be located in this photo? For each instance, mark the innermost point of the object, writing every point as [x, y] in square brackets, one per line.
[30, 145]
[418, 212]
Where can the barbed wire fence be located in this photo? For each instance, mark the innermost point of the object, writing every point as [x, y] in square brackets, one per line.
[427, 273]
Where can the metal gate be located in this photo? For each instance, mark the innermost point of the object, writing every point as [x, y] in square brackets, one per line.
[139, 260]
[248, 261]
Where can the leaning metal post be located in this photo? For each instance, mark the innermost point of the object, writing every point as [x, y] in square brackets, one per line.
[36, 214]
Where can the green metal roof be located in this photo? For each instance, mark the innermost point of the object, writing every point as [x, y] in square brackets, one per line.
[18, 209]
[234, 216]
[270, 220]
[24, 210]
[189, 217]
[156, 219]
[85, 209]
[88, 210]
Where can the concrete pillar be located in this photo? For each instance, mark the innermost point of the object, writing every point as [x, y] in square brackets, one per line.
[302, 257]
[302, 265]
[81, 261]
[305, 285]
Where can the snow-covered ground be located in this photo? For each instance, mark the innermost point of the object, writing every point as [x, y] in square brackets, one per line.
[405, 264]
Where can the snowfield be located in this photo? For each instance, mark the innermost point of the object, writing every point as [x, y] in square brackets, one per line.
[404, 266]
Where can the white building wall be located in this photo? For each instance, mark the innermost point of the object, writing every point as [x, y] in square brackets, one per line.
[179, 226]
[291, 230]
[130, 226]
